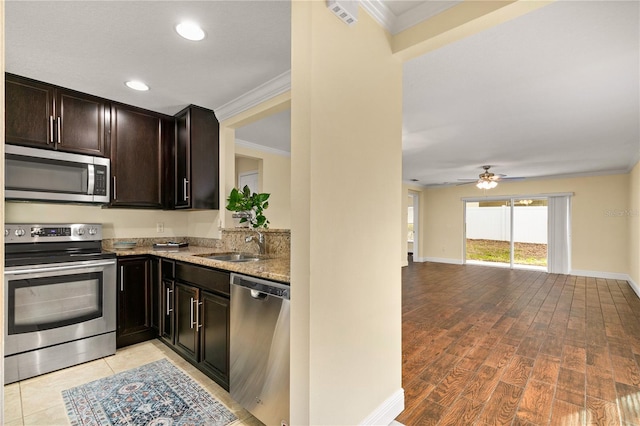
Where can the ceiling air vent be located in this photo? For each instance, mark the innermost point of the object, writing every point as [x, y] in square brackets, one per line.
[347, 10]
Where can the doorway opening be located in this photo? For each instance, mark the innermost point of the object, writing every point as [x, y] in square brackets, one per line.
[413, 224]
[507, 232]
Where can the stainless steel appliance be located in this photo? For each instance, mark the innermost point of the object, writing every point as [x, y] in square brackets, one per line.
[259, 348]
[47, 175]
[59, 298]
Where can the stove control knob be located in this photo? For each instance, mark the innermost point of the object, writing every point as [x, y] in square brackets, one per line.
[93, 231]
[19, 232]
[80, 231]
[6, 232]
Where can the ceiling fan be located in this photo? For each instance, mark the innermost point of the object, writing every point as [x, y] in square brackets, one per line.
[487, 179]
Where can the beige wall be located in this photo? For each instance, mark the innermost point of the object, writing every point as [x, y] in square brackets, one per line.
[634, 224]
[120, 223]
[275, 179]
[245, 164]
[600, 239]
[346, 113]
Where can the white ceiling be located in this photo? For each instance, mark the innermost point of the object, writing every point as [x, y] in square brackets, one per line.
[554, 92]
[95, 46]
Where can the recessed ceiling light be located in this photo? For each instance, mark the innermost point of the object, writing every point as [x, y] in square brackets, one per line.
[190, 31]
[137, 85]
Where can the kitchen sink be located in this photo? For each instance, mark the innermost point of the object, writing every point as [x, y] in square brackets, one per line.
[233, 257]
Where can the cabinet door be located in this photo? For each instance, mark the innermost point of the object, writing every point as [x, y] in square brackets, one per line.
[182, 161]
[186, 331]
[28, 112]
[136, 140]
[214, 336]
[197, 159]
[80, 123]
[134, 301]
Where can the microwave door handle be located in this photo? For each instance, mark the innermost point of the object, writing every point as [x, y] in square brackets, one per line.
[91, 179]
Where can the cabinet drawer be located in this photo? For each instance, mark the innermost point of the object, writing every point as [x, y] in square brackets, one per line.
[204, 278]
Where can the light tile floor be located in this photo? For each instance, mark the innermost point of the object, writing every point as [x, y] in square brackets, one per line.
[38, 401]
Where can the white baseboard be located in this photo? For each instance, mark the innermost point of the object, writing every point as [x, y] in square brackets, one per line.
[442, 260]
[634, 286]
[387, 411]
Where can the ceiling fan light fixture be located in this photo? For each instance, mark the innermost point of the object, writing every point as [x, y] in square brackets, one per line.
[486, 184]
[190, 31]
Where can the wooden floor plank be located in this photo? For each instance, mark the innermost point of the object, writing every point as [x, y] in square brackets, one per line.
[535, 406]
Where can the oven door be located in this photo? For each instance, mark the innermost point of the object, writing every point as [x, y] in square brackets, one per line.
[55, 303]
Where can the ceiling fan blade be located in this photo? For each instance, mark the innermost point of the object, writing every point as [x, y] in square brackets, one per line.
[466, 183]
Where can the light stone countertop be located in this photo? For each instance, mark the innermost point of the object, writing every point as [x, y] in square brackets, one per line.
[271, 268]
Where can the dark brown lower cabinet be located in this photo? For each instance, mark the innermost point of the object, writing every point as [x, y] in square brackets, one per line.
[134, 323]
[194, 316]
[214, 337]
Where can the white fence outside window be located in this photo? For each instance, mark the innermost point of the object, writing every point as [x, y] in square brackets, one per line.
[492, 223]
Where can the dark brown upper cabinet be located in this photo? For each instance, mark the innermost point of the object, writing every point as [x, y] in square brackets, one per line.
[196, 165]
[137, 139]
[46, 116]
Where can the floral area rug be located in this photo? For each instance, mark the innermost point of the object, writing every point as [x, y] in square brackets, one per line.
[155, 394]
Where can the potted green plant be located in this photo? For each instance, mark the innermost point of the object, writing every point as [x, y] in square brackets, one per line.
[249, 207]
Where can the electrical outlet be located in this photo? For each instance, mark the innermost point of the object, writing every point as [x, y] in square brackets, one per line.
[159, 227]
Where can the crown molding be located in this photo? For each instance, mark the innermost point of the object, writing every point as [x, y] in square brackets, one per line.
[398, 23]
[262, 148]
[272, 88]
[380, 13]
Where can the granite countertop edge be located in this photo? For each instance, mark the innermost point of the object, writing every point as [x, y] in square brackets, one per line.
[274, 268]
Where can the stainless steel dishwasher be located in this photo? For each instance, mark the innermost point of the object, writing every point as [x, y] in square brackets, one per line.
[259, 348]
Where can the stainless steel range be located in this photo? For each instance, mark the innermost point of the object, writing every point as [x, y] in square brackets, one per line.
[60, 298]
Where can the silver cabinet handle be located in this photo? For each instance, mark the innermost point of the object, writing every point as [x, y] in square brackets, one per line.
[114, 188]
[50, 129]
[191, 315]
[198, 325]
[169, 291]
[121, 278]
[60, 130]
[185, 182]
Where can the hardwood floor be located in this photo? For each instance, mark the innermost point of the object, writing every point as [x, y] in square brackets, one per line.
[492, 346]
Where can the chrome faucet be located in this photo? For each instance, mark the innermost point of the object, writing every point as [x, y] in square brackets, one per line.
[260, 240]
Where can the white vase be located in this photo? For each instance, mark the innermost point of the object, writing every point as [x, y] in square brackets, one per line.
[239, 215]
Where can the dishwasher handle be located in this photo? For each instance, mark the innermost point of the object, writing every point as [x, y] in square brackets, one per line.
[258, 285]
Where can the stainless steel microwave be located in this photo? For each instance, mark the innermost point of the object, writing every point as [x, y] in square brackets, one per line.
[45, 175]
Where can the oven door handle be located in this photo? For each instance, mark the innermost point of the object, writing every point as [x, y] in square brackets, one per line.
[56, 268]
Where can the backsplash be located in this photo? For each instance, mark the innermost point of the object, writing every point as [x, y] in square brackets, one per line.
[278, 241]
